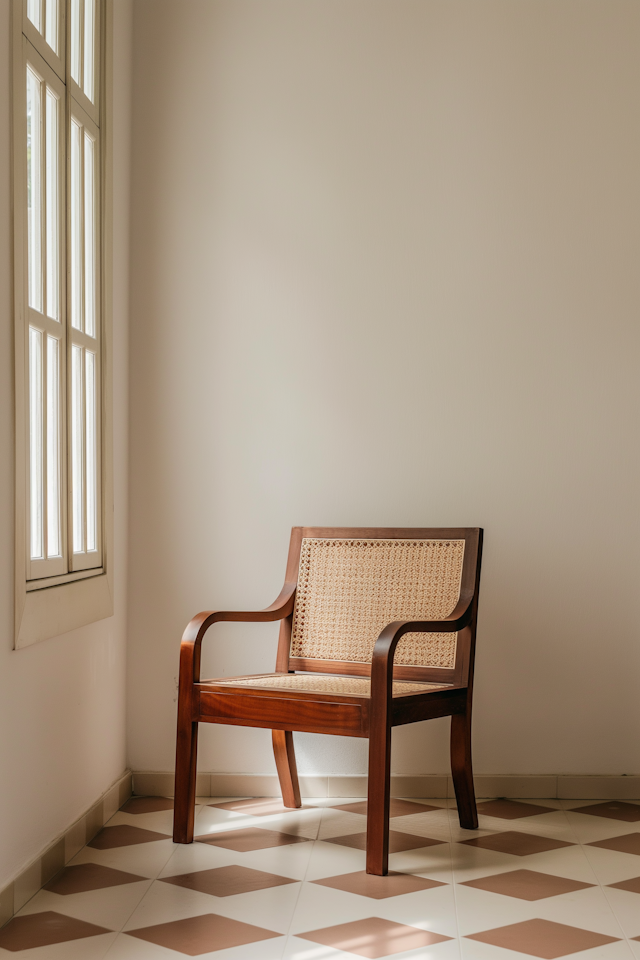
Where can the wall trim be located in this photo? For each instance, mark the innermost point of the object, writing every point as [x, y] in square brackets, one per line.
[149, 783]
[65, 846]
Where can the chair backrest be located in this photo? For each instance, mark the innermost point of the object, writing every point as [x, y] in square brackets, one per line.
[353, 582]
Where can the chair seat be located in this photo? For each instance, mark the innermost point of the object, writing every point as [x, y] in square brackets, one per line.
[326, 683]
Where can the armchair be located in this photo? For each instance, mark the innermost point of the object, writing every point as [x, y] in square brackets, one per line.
[377, 630]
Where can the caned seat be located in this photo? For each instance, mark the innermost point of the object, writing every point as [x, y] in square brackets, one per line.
[377, 629]
[310, 683]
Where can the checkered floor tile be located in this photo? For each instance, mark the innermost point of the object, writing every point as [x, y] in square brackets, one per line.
[268, 883]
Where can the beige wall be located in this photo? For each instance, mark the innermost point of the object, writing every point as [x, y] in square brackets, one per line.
[385, 265]
[62, 701]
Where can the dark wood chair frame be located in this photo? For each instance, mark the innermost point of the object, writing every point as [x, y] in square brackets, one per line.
[284, 711]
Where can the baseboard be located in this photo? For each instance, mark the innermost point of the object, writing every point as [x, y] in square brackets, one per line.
[534, 786]
[57, 853]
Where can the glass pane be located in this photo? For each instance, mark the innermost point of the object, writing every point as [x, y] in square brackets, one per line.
[35, 443]
[34, 189]
[76, 225]
[34, 13]
[89, 44]
[75, 41]
[89, 238]
[53, 231]
[77, 445]
[51, 24]
[53, 447]
[92, 451]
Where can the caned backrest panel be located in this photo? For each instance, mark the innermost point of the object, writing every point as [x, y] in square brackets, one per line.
[350, 589]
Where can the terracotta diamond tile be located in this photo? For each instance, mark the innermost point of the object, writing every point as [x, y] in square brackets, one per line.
[251, 838]
[124, 835]
[43, 929]
[612, 810]
[378, 888]
[397, 841]
[202, 934]
[373, 937]
[147, 805]
[542, 938]
[518, 844]
[511, 809]
[627, 843]
[631, 886]
[397, 808]
[89, 876]
[258, 806]
[227, 881]
[527, 885]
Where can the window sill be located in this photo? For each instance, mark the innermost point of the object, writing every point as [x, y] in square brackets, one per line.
[46, 582]
[45, 613]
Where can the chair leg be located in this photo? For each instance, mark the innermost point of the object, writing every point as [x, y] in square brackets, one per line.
[379, 792]
[184, 802]
[286, 766]
[462, 771]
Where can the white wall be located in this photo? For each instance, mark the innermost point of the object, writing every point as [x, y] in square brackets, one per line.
[62, 701]
[385, 265]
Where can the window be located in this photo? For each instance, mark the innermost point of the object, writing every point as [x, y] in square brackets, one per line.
[60, 323]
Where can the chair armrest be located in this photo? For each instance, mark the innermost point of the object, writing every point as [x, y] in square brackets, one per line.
[385, 648]
[192, 637]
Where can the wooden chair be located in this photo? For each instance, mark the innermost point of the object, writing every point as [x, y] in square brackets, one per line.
[378, 629]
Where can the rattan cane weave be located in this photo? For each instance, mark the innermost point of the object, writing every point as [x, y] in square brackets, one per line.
[349, 590]
[310, 683]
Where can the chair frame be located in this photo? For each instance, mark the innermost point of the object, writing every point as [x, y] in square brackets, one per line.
[285, 711]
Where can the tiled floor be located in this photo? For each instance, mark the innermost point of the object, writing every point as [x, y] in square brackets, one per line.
[541, 878]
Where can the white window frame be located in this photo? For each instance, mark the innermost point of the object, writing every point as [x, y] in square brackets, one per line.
[52, 597]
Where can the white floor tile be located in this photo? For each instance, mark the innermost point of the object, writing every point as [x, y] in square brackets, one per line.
[272, 909]
[197, 856]
[587, 909]
[626, 907]
[300, 949]
[588, 829]
[144, 859]
[469, 863]
[611, 866]
[110, 907]
[303, 824]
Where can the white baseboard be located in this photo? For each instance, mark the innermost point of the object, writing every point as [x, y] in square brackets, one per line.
[65, 846]
[534, 786]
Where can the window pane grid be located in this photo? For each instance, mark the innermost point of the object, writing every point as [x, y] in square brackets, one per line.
[91, 451]
[82, 63]
[51, 24]
[77, 448]
[34, 188]
[88, 48]
[89, 237]
[43, 208]
[75, 31]
[76, 226]
[54, 545]
[44, 15]
[36, 444]
[52, 206]
[34, 13]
